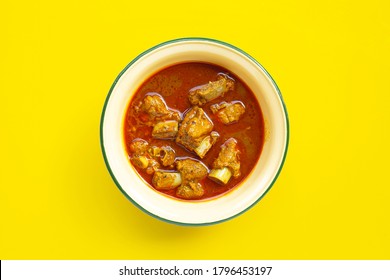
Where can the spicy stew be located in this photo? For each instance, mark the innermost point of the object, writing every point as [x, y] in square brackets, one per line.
[193, 131]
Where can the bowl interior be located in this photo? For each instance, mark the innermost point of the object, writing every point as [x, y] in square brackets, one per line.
[262, 175]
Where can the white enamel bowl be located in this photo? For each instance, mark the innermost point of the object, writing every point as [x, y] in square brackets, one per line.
[263, 175]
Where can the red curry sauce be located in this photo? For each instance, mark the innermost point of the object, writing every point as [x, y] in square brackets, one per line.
[173, 84]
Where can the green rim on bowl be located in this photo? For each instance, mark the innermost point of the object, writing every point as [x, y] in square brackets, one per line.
[194, 39]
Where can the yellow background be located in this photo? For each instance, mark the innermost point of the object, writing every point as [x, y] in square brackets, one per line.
[329, 58]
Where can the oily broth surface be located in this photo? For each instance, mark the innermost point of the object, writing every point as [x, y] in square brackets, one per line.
[173, 84]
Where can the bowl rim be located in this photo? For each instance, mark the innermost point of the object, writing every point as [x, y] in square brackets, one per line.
[193, 39]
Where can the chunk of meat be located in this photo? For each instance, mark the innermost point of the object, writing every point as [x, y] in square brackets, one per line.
[165, 129]
[195, 127]
[153, 166]
[202, 94]
[229, 157]
[154, 110]
[166, 180]
[192, 171]
[227, 164]
[228, 113]
[154, 151]
[191, 190]
[206, 144]
[140, 161]
[139, 146]
[141, 156]
[168, 155]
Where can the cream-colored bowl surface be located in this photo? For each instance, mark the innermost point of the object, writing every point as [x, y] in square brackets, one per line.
[263, 174]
